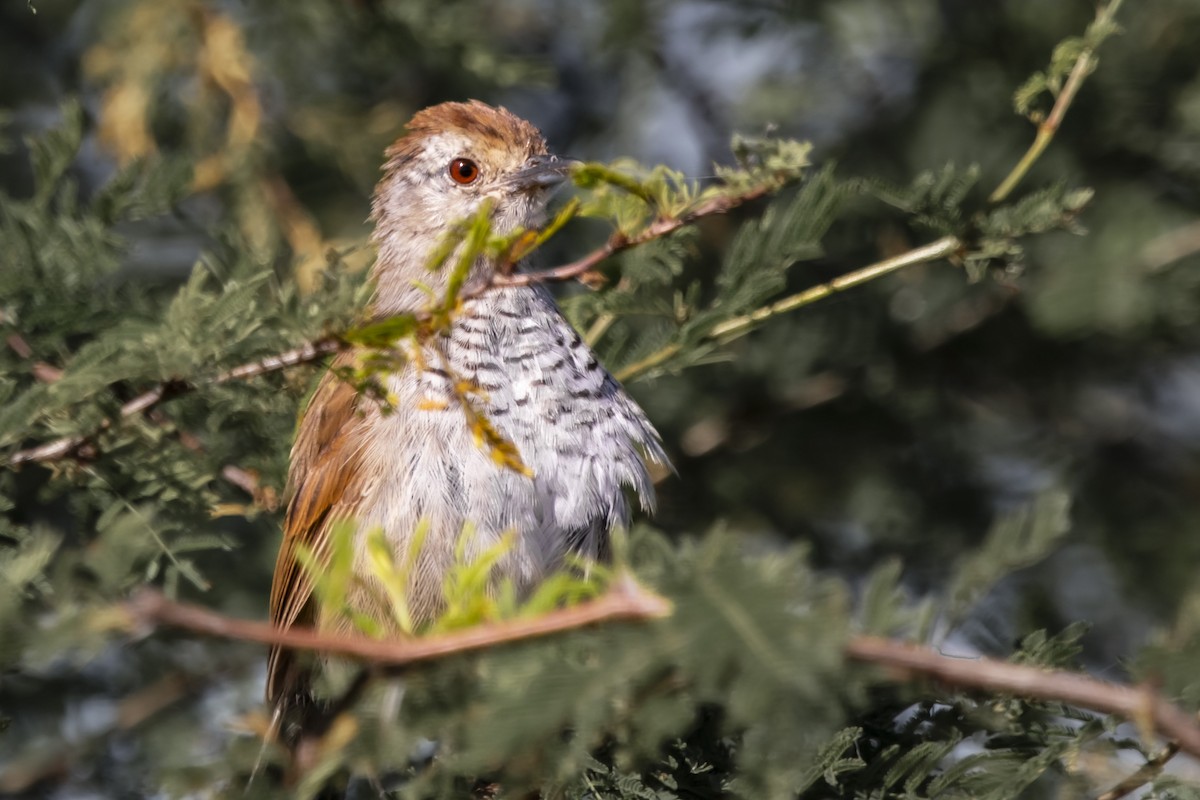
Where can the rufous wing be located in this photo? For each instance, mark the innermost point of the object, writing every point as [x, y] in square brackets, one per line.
[324, 480]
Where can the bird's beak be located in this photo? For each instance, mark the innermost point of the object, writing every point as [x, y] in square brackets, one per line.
[542, 172]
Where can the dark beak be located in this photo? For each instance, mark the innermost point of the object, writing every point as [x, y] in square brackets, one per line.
[542, 172]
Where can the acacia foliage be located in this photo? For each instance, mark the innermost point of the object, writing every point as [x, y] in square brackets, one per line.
[742, 692]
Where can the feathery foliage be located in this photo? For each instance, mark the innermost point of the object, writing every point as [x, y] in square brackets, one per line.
[745, 690]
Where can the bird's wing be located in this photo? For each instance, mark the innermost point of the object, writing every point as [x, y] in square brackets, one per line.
[325, 482]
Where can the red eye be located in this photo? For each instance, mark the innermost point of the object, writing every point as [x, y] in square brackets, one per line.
[464, 171]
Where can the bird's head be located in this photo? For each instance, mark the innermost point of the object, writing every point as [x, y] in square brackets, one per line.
[453, 156]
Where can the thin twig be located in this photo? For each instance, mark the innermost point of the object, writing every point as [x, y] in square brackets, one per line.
[643, 365]
[42, 372]
[1175, 245]
[735, 327]
[68, 445]
[906, 661]
[617, 242]
[243, 479]
[625, 601]
[303, 354]
[598, 328]
[1046, 131]
[75, 445]
[16, 342]
[934, 251]
[1143, 775]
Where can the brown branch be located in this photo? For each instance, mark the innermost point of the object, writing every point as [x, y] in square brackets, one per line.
[625, 601]
[42, 372]
[243, 479]
[617, 242]
[1175, 245]
[1143, 775]
[907, 661]
[303, 354]
[69, 446]
[16, 342]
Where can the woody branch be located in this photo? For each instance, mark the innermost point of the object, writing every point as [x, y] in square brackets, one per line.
[900, 661]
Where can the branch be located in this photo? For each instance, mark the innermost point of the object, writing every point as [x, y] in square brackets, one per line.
[735, 327]
[1175, 245]
[1046, 131]
[303, 354]
[617, 242]
[907, 661]
[1143, 775]
[79, 445]
[246, 480]
[625, 601]
[934, 251]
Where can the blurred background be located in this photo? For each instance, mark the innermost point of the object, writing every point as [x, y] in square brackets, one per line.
[900, 419]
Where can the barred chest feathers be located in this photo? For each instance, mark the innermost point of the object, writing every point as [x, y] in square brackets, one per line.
[543, 389]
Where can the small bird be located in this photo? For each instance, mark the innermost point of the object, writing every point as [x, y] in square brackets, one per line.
[582, 438]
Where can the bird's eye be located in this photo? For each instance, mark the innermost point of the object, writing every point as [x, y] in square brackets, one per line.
[464, 171]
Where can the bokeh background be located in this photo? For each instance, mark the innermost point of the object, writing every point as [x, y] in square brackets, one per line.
[899, 419]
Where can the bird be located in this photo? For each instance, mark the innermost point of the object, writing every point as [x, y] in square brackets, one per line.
[583, 442]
